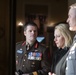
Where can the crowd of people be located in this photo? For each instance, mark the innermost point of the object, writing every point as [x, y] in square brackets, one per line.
[32, 58]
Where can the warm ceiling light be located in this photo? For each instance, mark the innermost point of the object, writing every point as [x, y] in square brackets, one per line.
[20, 24]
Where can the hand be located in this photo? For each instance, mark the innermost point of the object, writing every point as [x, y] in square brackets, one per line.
[49, 73]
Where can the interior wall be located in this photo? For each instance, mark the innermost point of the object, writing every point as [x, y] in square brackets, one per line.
[56, 12]
[4, 36]
[57, 9]
[71, 2]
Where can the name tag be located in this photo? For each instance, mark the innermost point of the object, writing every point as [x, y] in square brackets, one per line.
[19, 51]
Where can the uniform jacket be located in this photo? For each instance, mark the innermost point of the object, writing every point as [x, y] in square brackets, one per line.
[71, 59]
[59, 58]
[33, 61]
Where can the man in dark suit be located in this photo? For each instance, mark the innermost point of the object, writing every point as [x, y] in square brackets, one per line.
[31, 56]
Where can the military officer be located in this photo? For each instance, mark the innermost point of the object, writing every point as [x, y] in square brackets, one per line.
[31, 56]
[71, 58]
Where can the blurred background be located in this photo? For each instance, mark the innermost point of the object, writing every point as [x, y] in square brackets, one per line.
[45, 13]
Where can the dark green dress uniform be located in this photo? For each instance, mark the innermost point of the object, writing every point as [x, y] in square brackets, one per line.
[33, 61]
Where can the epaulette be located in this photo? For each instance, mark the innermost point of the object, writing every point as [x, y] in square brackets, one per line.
[23, 43]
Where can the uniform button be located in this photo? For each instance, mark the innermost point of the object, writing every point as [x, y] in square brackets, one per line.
[20, 48]
[23, 65]
[33, 62]
[25, 54]
[66, 68]
[69, 57]
[70, 52]
[73, 52]
[17, 56]
[24, 60]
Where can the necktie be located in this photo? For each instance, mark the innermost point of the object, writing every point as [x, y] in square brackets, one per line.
[28, 46]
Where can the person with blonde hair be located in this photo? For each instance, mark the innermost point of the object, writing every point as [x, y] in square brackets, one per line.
[63, 29]
[63, 41]
[71, 58]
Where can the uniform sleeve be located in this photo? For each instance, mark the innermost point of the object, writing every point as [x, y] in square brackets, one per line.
[18, 54]
[71, 62]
